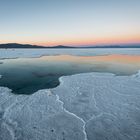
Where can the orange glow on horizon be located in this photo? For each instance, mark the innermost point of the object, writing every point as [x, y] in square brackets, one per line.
[94, 41]
[83, 41]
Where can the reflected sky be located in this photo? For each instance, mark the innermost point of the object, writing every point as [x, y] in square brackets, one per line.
[27, 75]
[128, 59]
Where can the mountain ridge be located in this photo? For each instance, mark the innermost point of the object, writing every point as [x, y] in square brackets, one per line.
[29, 46]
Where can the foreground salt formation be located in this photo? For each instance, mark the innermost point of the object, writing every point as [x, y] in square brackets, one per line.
[83, 107]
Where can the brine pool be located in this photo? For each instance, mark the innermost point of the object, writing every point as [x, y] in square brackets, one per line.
[28, 75]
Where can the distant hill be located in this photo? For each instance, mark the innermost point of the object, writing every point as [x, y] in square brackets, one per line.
[61, 47]
[15, 45]
[116, 46]
[28, 46]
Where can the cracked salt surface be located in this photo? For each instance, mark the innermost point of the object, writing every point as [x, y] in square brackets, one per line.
[74, 116]
[88, 106]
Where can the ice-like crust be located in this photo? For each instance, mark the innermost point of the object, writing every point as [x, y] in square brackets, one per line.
[40, 116]
[83, 107]
[138, 74]
[109, 104]
[17, 53]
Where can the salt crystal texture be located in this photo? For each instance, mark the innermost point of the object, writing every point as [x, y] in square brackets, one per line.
[83, 107]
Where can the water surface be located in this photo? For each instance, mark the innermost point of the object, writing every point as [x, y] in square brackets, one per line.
[27, 75]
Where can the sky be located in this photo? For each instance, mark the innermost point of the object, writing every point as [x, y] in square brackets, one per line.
[70, 22]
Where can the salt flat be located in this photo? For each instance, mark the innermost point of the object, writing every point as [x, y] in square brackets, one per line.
[88, 106]
[15, 53]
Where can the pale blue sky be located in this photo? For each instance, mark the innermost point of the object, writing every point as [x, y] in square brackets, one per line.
[70, 22]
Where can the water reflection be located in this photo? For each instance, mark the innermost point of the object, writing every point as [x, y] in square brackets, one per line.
[27, 75]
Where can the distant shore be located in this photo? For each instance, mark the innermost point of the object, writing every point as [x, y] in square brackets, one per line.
[28, 46]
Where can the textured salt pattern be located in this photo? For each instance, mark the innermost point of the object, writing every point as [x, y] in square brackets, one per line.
[84, 107]
[16, 53]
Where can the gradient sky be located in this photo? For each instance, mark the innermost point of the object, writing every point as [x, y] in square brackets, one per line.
[70, 22]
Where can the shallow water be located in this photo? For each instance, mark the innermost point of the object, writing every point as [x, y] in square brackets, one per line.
[27, 75]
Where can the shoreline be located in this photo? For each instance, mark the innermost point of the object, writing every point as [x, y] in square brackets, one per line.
[25, 53]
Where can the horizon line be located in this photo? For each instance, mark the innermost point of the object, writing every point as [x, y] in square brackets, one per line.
[92, 45]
